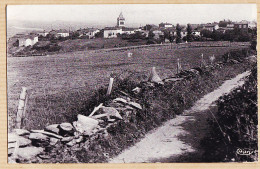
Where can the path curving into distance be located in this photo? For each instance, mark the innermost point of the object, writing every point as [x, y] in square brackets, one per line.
[176, 140]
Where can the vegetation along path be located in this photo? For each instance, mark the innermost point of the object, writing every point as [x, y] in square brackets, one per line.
[178, 139]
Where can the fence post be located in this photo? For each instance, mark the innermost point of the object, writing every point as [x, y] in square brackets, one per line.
[178, 66]
[109, 89]
[21, 107]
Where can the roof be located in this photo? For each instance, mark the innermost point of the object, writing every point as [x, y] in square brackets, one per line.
[27, 37]
[112, 28]
[241, 22]
[128, 29]
[62, 31]
[121, 16]
[210, 25]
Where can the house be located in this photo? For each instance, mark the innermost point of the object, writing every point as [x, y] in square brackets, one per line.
[129, 30]
[63, 33]
[44, 34]
[243, 25]
[27, 40]
[111, 32]
[157, 34]
[210, 26]
[88, 32]
[230, 26]
[165, 25]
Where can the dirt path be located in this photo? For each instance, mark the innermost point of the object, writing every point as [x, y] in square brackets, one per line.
[178, 139]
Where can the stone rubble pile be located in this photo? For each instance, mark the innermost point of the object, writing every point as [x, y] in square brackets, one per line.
[30, 146]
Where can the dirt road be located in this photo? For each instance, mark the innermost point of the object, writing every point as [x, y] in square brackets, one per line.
[178, 139]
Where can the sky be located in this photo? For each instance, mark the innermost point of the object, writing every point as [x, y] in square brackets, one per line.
[135, 14]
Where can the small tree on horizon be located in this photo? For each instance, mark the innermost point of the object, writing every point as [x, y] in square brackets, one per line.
[178, 29]
[189, 33]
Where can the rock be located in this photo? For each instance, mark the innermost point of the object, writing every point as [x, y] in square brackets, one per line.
[71, 143]
[66, 126]
[21, 132]
[121, 100]
[194, 71]
[47, 133]
[154, 77]
[28, 153]
[38, 136]
[44, 156]
[66, 139]
[13, 138]
[53, 141]
[111, 112]
[135, 105]
[85, 124]
[137, 90]
[252, 59]
[80, 139]
[111, 120]
[10, 150]
[53, 128]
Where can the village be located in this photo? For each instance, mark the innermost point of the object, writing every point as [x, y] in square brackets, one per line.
[147, 84]
[150, 34]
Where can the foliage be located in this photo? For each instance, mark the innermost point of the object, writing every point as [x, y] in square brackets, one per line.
[178, 30]
[189, 33]
[151, 35]
[237, 125]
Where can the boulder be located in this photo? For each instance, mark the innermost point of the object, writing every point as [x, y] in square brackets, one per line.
[71, 143]
[154, 77]
[21, 132]
[38, 136]
[66, 126]
[53, 141]
[137, 90]
[28, 153]
[85, 124]
[111, 112]
[135, 105]
[66, 139]
[13, 138]
[120, 100]
[252, 59]
[80, 139]
[53, 128]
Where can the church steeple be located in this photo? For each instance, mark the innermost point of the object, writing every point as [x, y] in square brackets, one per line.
[121, 20]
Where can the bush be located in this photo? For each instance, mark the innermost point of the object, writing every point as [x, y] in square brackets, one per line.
[237, 118]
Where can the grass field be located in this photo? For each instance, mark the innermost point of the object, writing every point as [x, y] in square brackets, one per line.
[52, 79]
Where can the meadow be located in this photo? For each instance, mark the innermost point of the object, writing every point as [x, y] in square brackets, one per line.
[59, 84]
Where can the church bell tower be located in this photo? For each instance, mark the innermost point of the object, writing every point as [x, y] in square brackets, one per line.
[121, 20]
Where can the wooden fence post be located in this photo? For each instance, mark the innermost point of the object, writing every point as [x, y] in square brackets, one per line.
[21, 107]
[109, 89]
[178, 66]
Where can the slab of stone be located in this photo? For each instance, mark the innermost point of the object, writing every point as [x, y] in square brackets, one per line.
[47, 133]
[22, 141]
[85, 124]
[53, 128]
[120, 100]
[66, 126]
[135, 105]
[66, 139]
[53, 141]
[28, 153]
[111, 112]
[21, 132]
[38, 136]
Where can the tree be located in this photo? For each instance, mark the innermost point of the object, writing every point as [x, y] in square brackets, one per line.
[147, 27]
[151, 35]
[216, 35]
[189, 33]
[178, 29]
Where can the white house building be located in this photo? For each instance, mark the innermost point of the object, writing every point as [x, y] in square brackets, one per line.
[27, 40]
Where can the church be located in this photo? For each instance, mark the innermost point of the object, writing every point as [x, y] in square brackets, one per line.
[112, 32]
